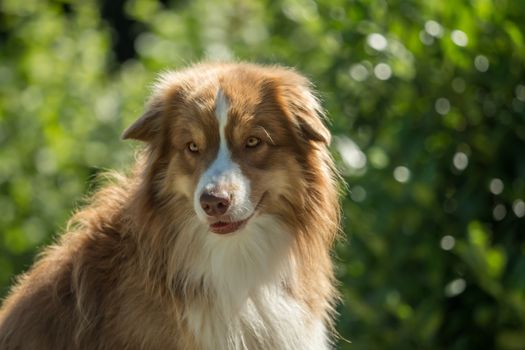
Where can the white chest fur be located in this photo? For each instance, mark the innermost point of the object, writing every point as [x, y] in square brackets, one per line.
[268, 320]
[250, 308]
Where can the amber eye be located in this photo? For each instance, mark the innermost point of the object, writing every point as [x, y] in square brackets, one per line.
[252, 142]
[192, 147]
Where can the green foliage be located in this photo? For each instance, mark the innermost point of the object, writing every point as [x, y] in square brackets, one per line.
[427, 101]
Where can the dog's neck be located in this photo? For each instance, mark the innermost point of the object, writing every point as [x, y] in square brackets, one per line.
[249, 276]
[235, 266]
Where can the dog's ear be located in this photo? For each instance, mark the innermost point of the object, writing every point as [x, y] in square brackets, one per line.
[144, 128]
[312, 127]
[306, 111]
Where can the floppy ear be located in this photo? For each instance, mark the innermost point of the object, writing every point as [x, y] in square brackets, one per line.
[312, 126]
[144, 128]
[307, 112]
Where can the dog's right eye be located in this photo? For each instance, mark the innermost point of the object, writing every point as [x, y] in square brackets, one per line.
[252, 142]
[192, 147]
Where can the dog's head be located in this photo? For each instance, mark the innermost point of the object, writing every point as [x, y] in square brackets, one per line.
[235, 141]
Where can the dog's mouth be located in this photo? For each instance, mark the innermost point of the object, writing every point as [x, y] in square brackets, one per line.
[225, 227]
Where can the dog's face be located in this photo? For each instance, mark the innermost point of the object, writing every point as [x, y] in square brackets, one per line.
[233, 140]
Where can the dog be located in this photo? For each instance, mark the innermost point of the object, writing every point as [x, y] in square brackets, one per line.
[218, 238]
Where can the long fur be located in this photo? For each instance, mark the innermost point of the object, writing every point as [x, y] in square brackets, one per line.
[136, 269]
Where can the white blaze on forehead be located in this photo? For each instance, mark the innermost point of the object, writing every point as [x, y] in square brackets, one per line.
[224, 174]
[223, 159]
[221, 112]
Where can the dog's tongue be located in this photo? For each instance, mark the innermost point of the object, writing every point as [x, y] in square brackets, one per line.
[224, 227]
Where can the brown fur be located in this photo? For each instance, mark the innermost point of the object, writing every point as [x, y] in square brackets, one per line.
[117, 278]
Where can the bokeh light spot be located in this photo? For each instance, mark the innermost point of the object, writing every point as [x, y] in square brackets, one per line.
[378, 157]
[426, 38]
[447, 242]
[499, 212]
[459, 38]
[434, 28]
[358, 72]
[455, 287]
[377, 41]
[402, 174]
[442, 106]
[458, 85]
[518, 206]
[350, 152]
[382, 71]
[481, 63]
[358, 194]
[520, 92]
[460, 161]
[496, 186]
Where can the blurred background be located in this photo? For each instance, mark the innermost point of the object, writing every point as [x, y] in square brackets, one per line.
[427, 102]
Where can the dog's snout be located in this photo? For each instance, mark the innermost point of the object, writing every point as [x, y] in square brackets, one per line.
[214, 204]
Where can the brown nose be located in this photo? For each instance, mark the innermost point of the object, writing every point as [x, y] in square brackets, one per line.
[214, 204]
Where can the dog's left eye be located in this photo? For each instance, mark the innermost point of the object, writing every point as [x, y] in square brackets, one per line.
[192, 147]
[252, 142]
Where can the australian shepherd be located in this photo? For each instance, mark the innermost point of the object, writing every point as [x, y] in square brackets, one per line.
[219, 238]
